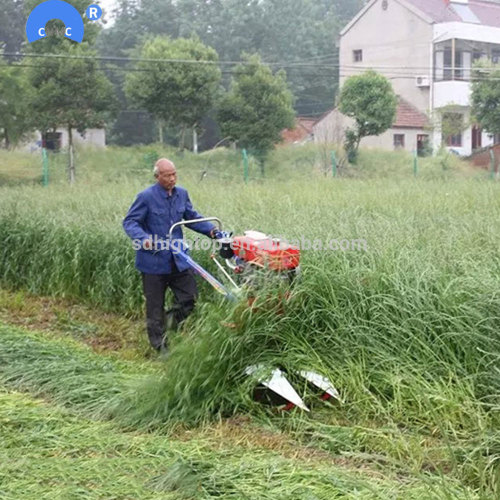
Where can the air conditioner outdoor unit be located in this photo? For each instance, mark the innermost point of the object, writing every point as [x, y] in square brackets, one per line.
[422, 81]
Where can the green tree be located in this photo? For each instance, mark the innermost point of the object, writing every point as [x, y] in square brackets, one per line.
[15, 114]
[486, 96]
[346, 9]
[70, 91]
[69, 88]
[257, 108]
[12, 22]
[451, 122]
[285, 33]
[370, 100]
[229, 26]
[134, 21]
[177, 94]
[299, 36]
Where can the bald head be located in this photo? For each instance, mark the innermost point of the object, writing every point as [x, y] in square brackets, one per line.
[166, 174]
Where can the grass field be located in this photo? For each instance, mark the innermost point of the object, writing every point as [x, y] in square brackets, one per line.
[66, 449]
[407, 329]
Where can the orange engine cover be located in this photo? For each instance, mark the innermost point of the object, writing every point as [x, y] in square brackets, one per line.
[273, 254]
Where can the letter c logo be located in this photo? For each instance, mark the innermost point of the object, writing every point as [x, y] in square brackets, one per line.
[55, 9]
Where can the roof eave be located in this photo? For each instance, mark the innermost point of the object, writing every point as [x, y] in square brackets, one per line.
[325, 115]
[416, 11]
[357, 17]
[369, 5]
[415, 127]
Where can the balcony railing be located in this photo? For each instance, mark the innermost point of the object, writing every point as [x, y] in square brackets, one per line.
[454, 59]
[447, 74]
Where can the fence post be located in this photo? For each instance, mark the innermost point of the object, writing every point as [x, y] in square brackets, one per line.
[492, 164]
[334, 164]
[415, 163]
[245, 166]
[45, 168]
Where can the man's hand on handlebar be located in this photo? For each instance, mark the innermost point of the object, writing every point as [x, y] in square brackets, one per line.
[217, 234]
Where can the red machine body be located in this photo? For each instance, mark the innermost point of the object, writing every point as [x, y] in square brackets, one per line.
[266, 252]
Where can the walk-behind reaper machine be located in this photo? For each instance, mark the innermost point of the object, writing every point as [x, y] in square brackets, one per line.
[244, 257]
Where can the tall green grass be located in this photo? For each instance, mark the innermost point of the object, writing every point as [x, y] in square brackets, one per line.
[408, 330]
[96, 166]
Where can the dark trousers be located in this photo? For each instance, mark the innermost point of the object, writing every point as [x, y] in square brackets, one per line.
[183, 286]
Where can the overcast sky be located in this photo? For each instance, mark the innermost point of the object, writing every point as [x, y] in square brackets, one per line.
[107, 5]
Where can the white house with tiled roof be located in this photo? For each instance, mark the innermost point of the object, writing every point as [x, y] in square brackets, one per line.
[426, 48]
[409, 131]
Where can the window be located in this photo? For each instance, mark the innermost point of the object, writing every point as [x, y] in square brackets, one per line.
[447, 64]
[452, 128]
[446, 69]
[439, 65]
[454, 140]
[357, 55]
[495, 56]
[464, 65]
[477, 55]
[399, 141]
[52, 141]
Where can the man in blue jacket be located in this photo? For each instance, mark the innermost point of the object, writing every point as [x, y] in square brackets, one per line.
[148, 222]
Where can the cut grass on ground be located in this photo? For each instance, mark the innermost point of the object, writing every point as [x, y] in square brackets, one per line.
[48, 452]
[108, 333]
[227, 462]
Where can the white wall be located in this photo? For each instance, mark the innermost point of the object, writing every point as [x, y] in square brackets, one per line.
[331, 130]
[466, 31]
[386, 140]
[91, 138]
[396, 43]
[452, 93]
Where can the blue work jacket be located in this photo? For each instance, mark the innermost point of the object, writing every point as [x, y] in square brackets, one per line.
[151, 216]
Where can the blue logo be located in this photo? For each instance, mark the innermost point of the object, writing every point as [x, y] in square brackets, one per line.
[63, 11]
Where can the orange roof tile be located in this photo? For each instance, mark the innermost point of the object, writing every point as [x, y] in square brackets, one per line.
[408, 116]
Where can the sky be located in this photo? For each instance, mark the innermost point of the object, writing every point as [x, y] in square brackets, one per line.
[107, 5]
